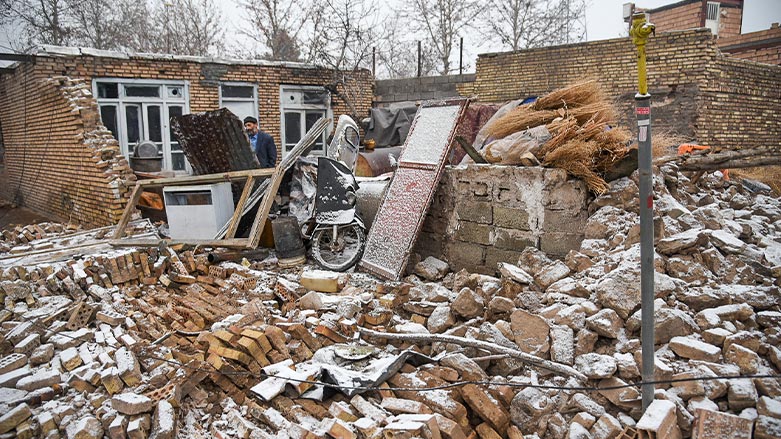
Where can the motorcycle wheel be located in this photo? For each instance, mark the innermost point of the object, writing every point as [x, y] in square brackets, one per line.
[341, 253]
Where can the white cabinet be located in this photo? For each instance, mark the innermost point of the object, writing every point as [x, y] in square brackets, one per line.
[198, 212]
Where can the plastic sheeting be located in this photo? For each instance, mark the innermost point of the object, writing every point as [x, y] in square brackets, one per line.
[390, 127]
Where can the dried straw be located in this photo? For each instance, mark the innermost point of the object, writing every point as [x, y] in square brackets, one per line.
[576, 95]
[666, 144]
[576, 157]
[519, 119]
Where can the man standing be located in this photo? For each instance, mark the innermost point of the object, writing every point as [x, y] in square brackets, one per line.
[262, 143]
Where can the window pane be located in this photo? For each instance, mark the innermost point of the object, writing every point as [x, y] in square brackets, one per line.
[133, 123]
[311, 118]
[175, 91]
[108, 90]
[108, 114]
[292, 127]
[144, 91]
[173, 111]
[155, 124]
[238, 91]
[177, 161]
[316, 97]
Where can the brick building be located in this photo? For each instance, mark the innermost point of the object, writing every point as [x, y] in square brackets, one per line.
[724, 19]
[69, 117]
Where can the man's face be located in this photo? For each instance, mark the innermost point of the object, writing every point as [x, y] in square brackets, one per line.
[251, 127]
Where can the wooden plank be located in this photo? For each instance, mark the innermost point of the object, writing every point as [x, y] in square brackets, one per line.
[228, 243]
[131, 205]
[234, 222]
[208, 178]
[265, 207]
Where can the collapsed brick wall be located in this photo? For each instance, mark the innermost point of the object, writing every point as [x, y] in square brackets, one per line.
[59, 158]
[685, 71]
[482, 215]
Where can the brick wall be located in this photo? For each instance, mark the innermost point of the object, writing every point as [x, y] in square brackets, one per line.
[696, 90]
[47, 167]
[482, 215]
[763, 46]
[686, 16]
[59, 158]
[389, 91]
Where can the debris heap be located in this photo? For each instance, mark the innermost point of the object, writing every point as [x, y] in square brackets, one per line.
[160, 343]
[574, 129]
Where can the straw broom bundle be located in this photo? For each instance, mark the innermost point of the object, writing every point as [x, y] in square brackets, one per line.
[576, 95]
[519, 119]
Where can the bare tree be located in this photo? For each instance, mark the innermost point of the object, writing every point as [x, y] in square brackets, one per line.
[96, 23]
[520, 24]
[41, 21]
[277, 25]
[186, 27]
[342, 33]
[397, 53]
[442, 22]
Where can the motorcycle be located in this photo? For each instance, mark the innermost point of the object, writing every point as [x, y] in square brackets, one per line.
[336, 231]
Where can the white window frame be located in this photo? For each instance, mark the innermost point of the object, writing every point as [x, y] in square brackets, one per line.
[254, 99]
[283, 106]
[163, 100]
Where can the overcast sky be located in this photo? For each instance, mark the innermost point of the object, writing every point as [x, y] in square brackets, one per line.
[603, 20]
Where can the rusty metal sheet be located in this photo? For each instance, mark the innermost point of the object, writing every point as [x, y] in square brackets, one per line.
[214, 142]
[407, 200]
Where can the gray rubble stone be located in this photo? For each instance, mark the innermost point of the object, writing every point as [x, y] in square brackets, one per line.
[131, 403]
[606, 323]
[432, 269]
[596, 366]
[85, 428]
[693, 349]
[14, 417]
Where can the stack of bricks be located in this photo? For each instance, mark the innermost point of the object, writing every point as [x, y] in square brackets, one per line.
[483, 215]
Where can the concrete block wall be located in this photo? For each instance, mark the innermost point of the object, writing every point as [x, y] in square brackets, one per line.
[60, 159]
[482, 215]
[50, 166]
[388, 91]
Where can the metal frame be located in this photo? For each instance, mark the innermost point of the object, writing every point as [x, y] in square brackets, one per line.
[230, 241]
[437, 169]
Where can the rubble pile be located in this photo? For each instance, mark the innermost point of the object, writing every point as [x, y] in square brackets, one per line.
[15, 240]
[161, 343]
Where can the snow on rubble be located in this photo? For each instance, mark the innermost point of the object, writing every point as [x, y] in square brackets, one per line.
[158, 342]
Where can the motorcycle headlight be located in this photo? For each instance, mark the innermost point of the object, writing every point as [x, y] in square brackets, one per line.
[351, 198]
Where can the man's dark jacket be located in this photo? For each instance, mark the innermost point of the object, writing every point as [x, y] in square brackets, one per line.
[266, 150]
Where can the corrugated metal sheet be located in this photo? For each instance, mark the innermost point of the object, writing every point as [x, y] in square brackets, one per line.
[214, 142]
[404, 207]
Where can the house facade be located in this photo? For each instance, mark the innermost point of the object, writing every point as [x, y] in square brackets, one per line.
[70, 117]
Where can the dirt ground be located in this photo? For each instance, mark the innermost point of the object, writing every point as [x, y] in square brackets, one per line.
[13, 216]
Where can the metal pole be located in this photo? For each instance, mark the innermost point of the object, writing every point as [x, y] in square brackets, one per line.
[374, 62]
[461, 58]
[419, 59]
[639, 33]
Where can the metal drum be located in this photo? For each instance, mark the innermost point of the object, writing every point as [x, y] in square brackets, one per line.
[287, 241]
